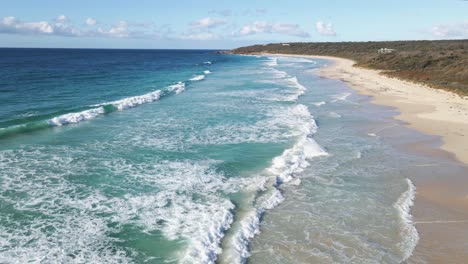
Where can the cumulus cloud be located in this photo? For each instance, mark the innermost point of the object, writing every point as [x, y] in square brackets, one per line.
[15, 26]
[459, 30]
[325, 29]
[91, 21]
[199, 36]
[61, 19]
[60, 26]
[119, 30]
[260, 27]
[207, 22]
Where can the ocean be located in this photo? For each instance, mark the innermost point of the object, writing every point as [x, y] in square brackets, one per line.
[188, 156]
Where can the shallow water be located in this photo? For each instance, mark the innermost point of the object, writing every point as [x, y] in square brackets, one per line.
[160, 157]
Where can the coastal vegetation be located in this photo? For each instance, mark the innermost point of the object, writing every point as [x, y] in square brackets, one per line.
[440, 64]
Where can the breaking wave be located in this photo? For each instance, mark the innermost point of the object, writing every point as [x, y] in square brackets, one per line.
[408, 231]
[198, 78]
[283, 169]
[96, 110]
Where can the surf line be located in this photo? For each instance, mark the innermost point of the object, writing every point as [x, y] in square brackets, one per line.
[441, 222]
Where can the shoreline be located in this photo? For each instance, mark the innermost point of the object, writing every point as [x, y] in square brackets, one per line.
[440, 211]
[428, 110]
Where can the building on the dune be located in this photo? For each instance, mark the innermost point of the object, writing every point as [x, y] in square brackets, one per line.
[385, 50]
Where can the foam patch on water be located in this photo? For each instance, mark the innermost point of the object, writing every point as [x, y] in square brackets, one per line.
[319, 103]
[28, 114]
[178, 88]
[408, 230]
[299, 89]
[297, 59]
[56, 225]
[340, 97]
[197, 78]
[207, 72]
[279, 125]
[272, 62]
[207, 62]
[250, 226]
[295, 159]
[334, 114]
[278, 74]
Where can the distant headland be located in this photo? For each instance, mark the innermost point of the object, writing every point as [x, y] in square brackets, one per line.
[439, 64]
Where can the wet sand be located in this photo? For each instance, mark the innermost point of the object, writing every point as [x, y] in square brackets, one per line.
[440, 212]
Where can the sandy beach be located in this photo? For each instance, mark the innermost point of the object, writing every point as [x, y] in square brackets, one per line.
[431, 111]
[441, 207]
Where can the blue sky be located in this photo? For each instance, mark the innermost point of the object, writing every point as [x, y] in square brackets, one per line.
[224, 24]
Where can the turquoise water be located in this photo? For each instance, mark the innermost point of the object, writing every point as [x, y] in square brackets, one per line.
[111, 156]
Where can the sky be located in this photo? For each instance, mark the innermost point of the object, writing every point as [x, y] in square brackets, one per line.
[203, 24]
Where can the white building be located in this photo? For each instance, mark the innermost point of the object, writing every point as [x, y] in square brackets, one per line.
[385, 50]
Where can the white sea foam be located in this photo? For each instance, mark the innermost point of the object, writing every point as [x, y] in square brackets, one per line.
[200, 222]
[279, 74]
[250, 226]
[80, 217]
[197, 78]
[272, 62]
[295, 159]
[298, 91]
[133, 101]
[279, 125]
[178, 87]
[205, 244]
[319, 103]
[298, 59]
[73, 118]
[122, 104]
[284, 168]
[28, 114]
[207, 62]
[340, 97]
[207, 72]
[334, 114]
[408, 232]
[63, 229]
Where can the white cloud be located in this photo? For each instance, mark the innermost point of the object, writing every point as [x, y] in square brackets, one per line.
[119, 30]
[61, 27]
[199, 36]
[459, 30]
[13, 25]
[325, 29]
[279, 28]
[90, 21]
[208, 22]
[61, 19]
